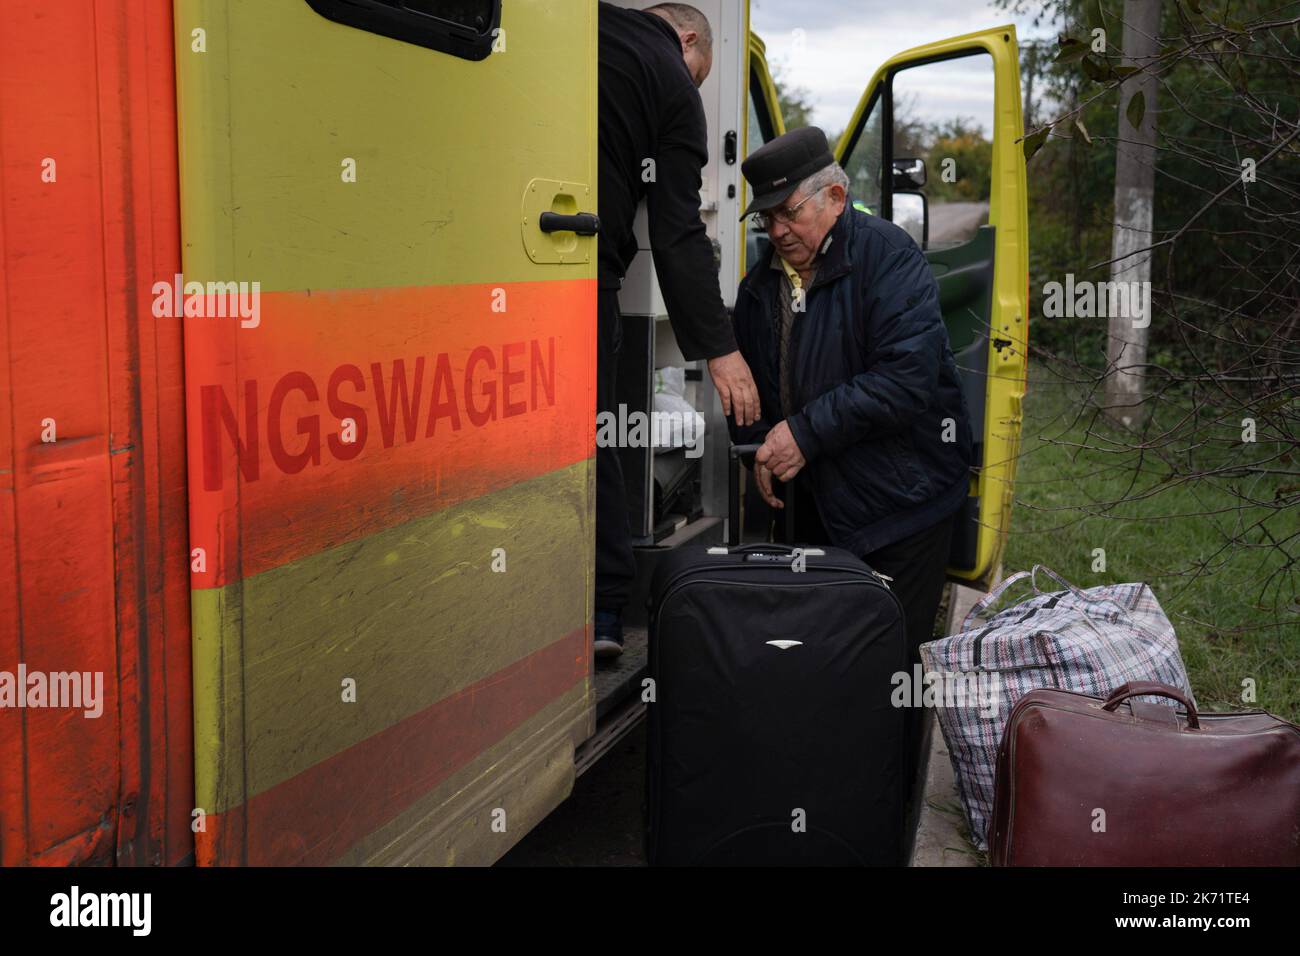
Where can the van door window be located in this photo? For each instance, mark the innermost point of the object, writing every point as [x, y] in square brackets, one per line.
[943, 117]
[863, 162]
[463, 28]
[761, 129]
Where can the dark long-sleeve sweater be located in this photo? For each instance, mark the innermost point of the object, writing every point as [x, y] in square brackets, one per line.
[650, 110]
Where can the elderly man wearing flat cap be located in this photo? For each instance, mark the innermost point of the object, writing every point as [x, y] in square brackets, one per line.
[863, 422]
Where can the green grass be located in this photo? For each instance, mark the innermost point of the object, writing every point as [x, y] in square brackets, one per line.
[1227, 634]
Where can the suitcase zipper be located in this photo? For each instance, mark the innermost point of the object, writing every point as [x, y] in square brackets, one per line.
[750, 584]
[871, 579]
[861, 573]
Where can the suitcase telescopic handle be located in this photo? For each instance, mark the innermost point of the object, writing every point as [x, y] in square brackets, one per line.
[1150, 688]
[738, 454]
[744, 451]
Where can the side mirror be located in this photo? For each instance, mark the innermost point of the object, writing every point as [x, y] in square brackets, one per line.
[909, 173]
[912, 213]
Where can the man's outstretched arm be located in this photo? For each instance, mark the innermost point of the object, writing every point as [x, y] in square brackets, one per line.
[683, 259]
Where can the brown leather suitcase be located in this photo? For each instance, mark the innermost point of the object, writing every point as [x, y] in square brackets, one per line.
[1119, 782]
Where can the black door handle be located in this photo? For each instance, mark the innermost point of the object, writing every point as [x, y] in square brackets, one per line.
[583, 223]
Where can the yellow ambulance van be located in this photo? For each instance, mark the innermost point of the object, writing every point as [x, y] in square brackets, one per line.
[327, 522]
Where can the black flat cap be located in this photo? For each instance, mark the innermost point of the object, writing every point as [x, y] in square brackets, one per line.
[775, 169]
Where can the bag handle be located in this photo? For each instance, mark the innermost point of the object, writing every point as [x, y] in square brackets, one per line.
[979, 606]
[991, 598]
[1150, 688]
[1089, 599]
[1077, 592]
[735, 455]
[767, 548]
[745, 454]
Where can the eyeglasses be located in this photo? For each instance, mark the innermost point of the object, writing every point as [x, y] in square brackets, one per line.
[763, 220]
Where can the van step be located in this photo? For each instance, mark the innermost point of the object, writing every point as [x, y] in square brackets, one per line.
[618, 699]
[622, 676]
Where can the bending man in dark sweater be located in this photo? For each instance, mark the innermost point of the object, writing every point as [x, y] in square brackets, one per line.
[653, 145]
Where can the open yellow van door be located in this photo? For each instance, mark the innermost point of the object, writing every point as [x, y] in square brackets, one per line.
[934, 147]
[761, 101]
[764, 122]
[390, 393]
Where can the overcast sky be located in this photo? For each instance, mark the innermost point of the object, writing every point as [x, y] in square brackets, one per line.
[843, 41]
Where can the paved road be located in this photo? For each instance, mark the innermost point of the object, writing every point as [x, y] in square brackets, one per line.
[956, 220]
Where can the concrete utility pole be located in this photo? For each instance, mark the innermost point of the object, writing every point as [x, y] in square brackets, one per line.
[1135, 177]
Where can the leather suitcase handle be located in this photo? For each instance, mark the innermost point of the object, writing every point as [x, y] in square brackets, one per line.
[1150, 688]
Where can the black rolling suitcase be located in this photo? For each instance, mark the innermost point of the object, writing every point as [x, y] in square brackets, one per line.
[772, 738]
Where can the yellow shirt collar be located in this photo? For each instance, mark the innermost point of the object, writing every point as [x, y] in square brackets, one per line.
[795, 281]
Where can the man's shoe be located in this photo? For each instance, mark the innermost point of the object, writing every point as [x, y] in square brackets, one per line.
[609, 634]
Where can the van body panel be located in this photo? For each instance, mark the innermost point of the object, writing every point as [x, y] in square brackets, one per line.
[93, 588]
[392, 471]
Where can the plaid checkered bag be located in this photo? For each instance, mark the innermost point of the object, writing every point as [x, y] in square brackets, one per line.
[1086, 641]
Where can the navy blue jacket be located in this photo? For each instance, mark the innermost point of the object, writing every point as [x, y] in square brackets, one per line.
[874, 379]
